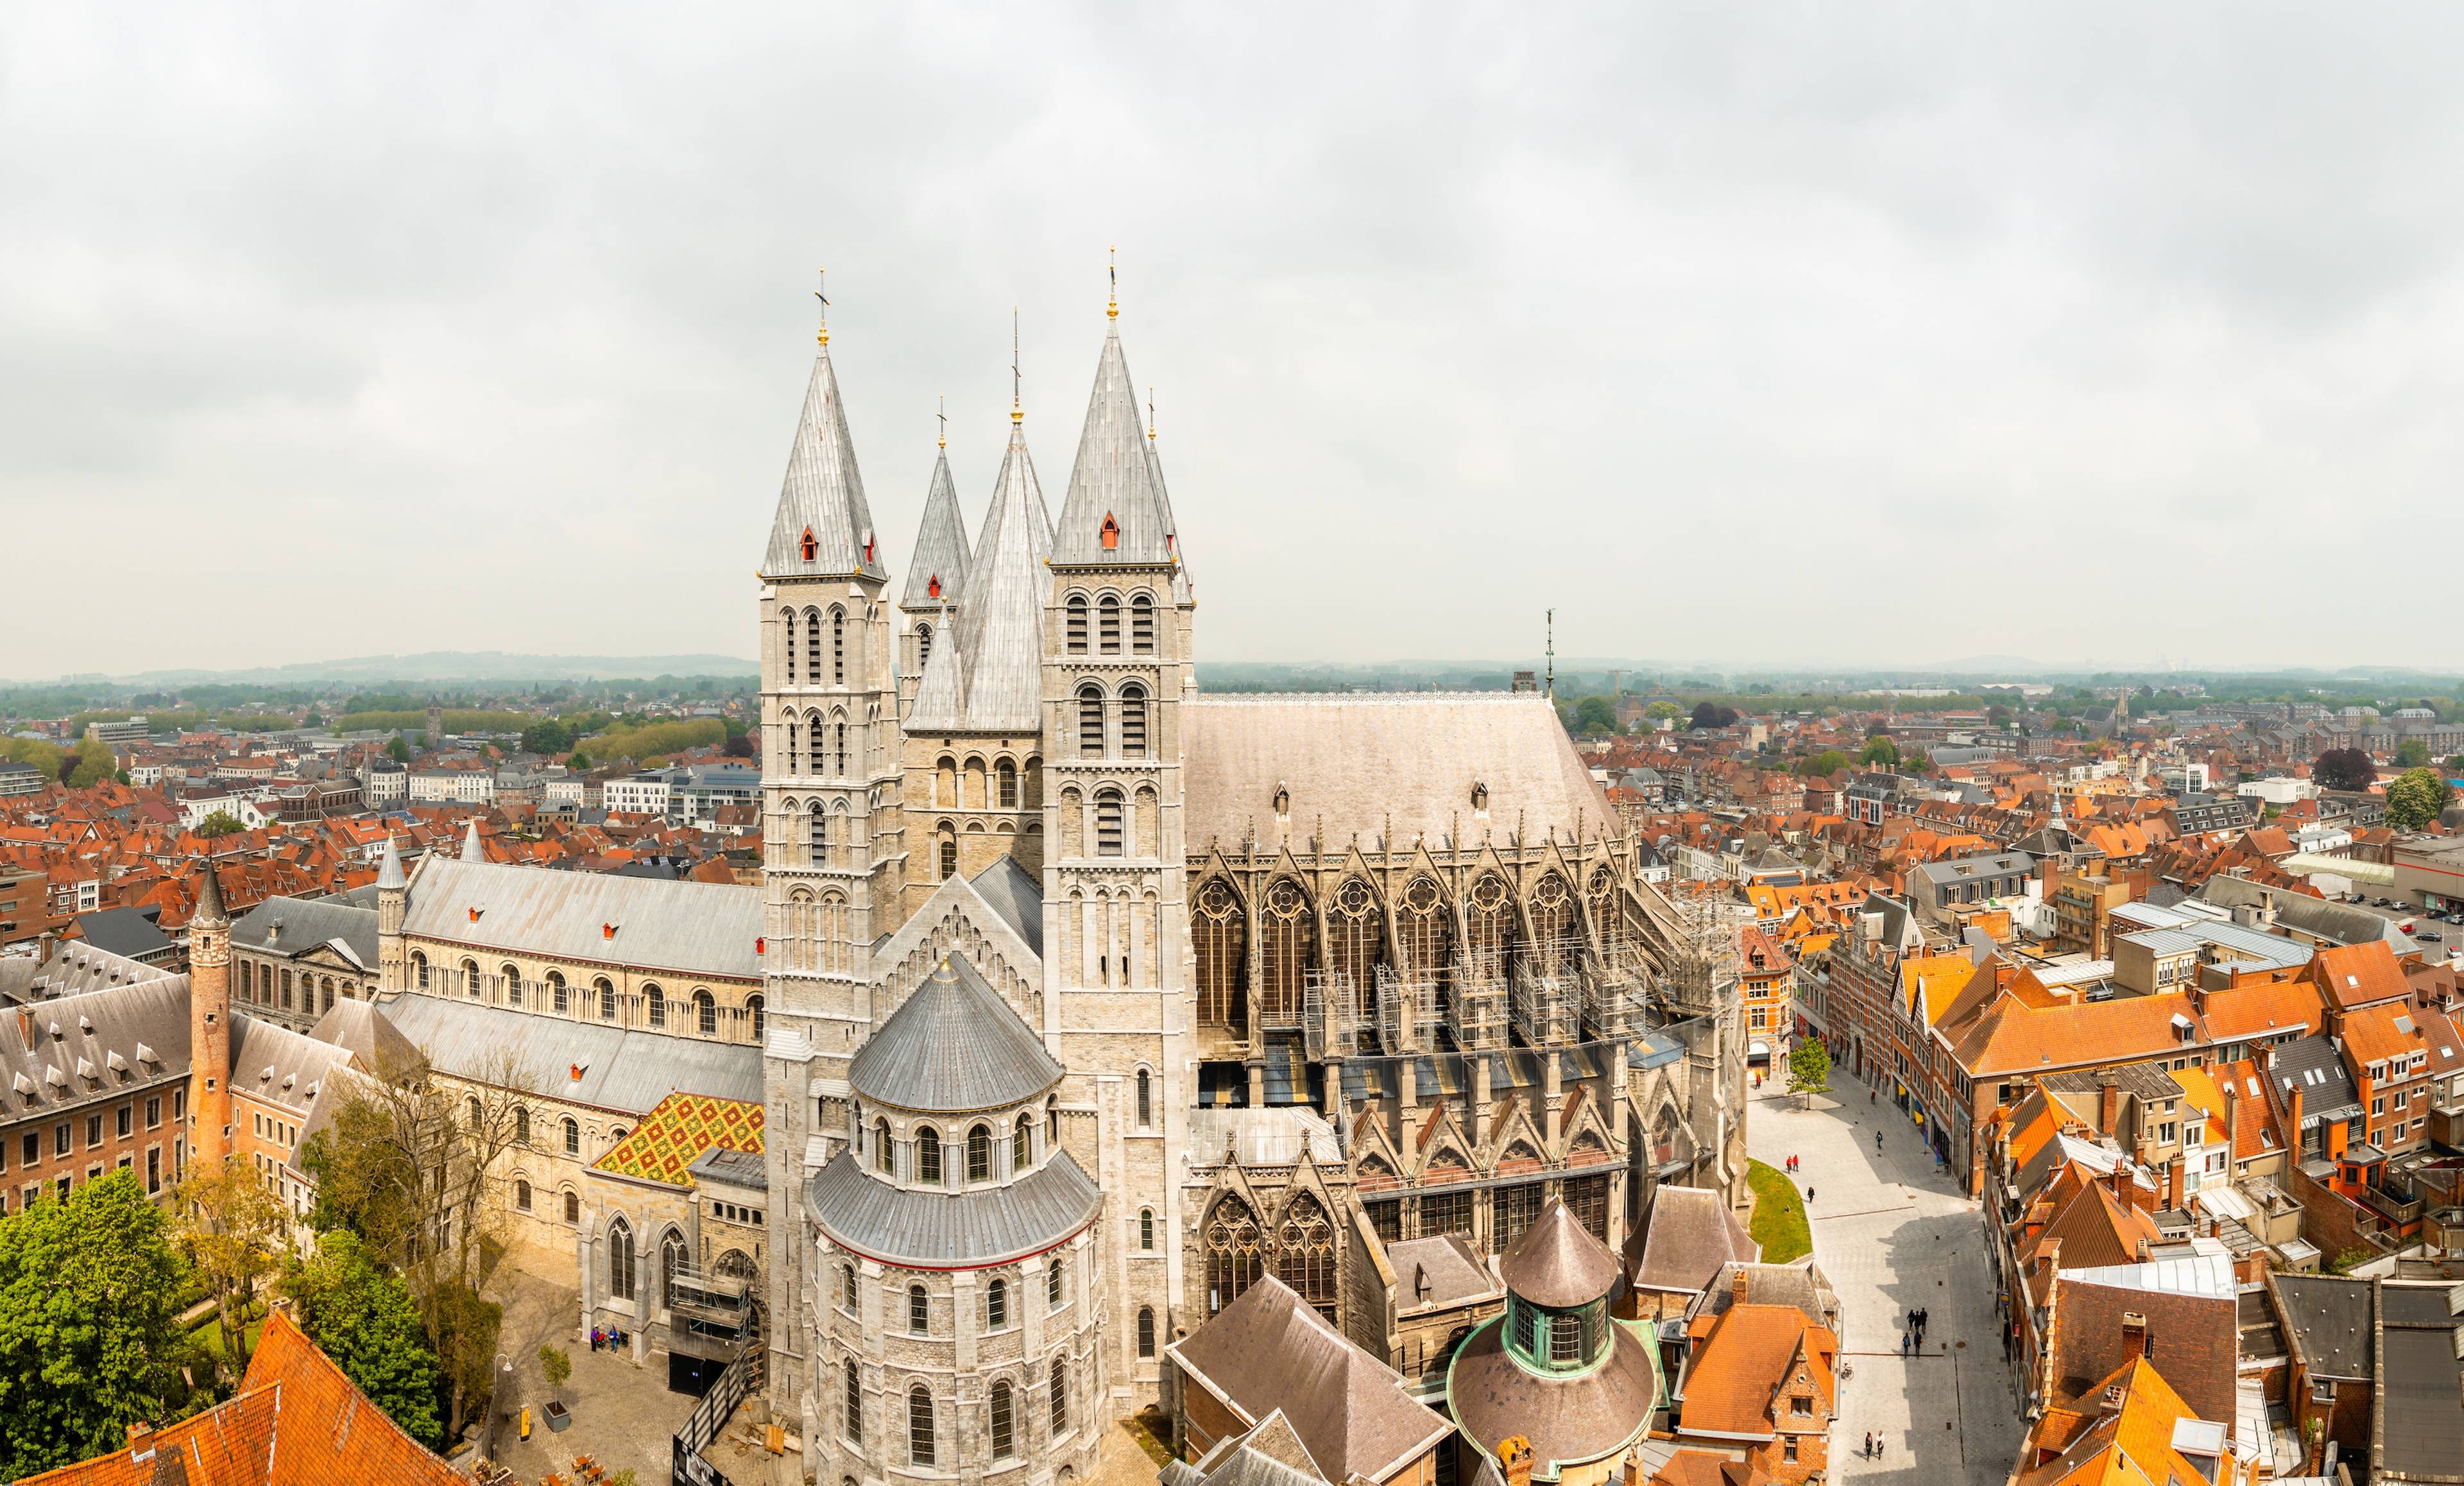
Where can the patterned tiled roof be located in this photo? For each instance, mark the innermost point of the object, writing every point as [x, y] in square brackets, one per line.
[675, 1133]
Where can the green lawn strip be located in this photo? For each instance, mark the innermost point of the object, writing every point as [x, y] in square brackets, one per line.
[1779, 1223]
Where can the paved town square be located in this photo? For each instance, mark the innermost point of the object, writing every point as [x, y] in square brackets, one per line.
[1895, 1235]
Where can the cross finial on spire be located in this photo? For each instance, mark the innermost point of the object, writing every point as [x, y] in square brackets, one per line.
[1151, 413]
[1113, 270]
[944, 415]
[1017, 409]
[822, 293]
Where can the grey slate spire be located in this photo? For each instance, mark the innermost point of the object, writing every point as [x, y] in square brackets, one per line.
[390, 873]
[823, 493]
[210, 912]
[1181, 587]
[1114, 476]
[940, 544]
[470, 850]
[989, 674]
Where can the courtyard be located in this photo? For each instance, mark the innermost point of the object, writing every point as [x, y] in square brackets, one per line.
[1894, 1234]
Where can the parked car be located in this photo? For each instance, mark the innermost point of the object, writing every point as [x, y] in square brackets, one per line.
[2429, 936]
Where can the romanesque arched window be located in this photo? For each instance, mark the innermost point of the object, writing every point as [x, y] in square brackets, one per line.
[838, 647]
[1005, 784]
[979, 1154]
[919, 1426]
[607, 1000]
[470, 983]
[556, 991]
[572, 1136]
[753, 1008]
[706, 1013]
[1108, 624]
[620, 1260]
[947, 849]
[1283, 952]
[418, 972]
[928, 1156]
[851, 1408]
[572, 1208]
[919, 1310]
[512, 977]
[1059, 1399]
[657, 1001]
[1233, 1260]
[995, 1306]
[923, 645]
[1108, 823]
[1305, 1253]
[1142, 626]
[883, 1158]
[521, 1125]
[1146, 1331]
[1055, 1289]
[1146, 1230]
[1222, 933]
[522, 1195]
[1091, 721]
[1076, 627]
[1146, 1100]
[817, 836]
[1004, 1422]
[1133, 721]
[1021, 1137]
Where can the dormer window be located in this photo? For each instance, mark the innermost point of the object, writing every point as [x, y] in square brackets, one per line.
[933, 586]
[1111, 533]
[812, 548]
[1480, 796]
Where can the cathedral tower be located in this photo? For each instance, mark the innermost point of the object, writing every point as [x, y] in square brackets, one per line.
[1116, 939]
[209, 1013]
[832, 850]
[393, 905]
[930, 603]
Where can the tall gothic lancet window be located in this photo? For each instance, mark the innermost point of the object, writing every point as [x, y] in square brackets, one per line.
[838, 647]
[1005, 782]
[1488, 925]
[1305, 1253]
[841, 768]
[1552, 923]
[1354, 933]
[818, 836]
[1284, 957]
[1222, 958]
[620, 1260]
[1233, 1253]
[787, 647]
[812, 648]
[1425, 936]
[923, 645]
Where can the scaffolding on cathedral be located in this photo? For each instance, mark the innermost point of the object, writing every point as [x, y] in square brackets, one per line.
[1476, 999]
[1547, 993]
[1617, 987]
[1702, 975]
[1329, 1014]
[1407, 1010]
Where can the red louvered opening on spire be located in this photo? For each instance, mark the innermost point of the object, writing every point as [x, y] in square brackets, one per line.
[812, 548]
[934, 587]
[1111, 533]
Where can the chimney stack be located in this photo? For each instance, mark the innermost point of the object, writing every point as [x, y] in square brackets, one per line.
[1515, 1453]
[2134, 1335]
[1737, 1285]
[2108, 1106]
[141, 1441]
[2232, 1130]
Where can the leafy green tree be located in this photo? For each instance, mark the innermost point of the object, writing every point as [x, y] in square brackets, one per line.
[1663, 710]
[221, 823]
[1880, 749]
[1809, 1068]
[1711, 714]
[89, 1339]
[2411, 753]
[92, 763]
[313, 719]
[1596, 714]
[555, 1366]
[2344, 769]
[2455, 764]
[1917, 761]
[233, 1232]
[547, 735]
[576, 761]
[1827, 762]
[397, 749]
[360, 1315]
[2415, 799]
[735, 726]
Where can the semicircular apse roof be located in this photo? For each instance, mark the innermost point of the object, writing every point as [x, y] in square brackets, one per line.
[955, 1047]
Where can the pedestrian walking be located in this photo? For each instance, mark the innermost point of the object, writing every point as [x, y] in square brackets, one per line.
[1903, 1345]
[1878, 1143]
[1869, 1444]
[1879, 1440]
[1808, 1194]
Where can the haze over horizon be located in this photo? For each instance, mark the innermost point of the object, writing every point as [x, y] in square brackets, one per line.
[1807, 339]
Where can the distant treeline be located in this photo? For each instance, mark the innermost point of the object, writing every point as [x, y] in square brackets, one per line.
[456, 720]
[654, 740]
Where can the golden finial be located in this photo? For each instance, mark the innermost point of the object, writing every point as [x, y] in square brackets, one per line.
[1017, 409]
[822, 295]
[1112, 267]
[944, 416]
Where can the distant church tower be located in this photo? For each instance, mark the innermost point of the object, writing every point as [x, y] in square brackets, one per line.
[210, 1013]
[1116, 664]
[930, 603]
[832, 850]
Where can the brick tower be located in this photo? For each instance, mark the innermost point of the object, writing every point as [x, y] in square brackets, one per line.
[209, 1013]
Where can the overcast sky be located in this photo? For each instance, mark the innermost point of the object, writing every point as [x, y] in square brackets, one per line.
[1819, 333]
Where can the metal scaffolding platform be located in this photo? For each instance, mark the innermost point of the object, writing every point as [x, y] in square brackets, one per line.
[1703, 973]
[1616, 989]
[1547, 992]
[1329, 1014]
[1476, 1000]
[1407, 1010]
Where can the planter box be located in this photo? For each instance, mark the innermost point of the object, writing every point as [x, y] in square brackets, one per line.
[558, 1418]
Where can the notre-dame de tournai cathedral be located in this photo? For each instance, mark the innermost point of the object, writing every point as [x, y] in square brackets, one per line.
[1093, 999]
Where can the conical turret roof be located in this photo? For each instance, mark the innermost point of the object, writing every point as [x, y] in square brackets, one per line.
[940, 544]
[1557, 1262]
[990, 674]
[210, 901]
[823, 493]
[1181, 587]
[390, 876]
[1114, 477]
[953, 1047]
[472, 851]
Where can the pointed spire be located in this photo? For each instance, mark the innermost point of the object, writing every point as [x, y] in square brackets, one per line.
[210, 912]
[391, 877]
[989, 674]
[1115, 511]
[471, 851]
[940, 544]
[823, 528]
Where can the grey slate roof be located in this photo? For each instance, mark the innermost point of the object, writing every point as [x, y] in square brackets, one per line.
[985, 1225]
[293, 925]
[390, 873]
[2328, 1318]
[368, 1035]
[953, 1047]
[1182, 589]
[1800, 1284]
[621, 1069]
[2313, 1065]
[1439, 1271]
[1358, 761]
[733, 1168]
[986, 672]
[1113, 475]
[1270, 1350]
[78, 967]
[940, 544]
[1017, 895]
[143, 1026]
[1270, 1454]
[126, 932]
[276, 1064]
[823, 492]
[2420, 1402]
[685, 929]
[1557, 1262]
[1688, 1239]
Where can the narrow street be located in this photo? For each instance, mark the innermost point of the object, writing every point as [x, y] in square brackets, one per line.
[1894, 1236]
